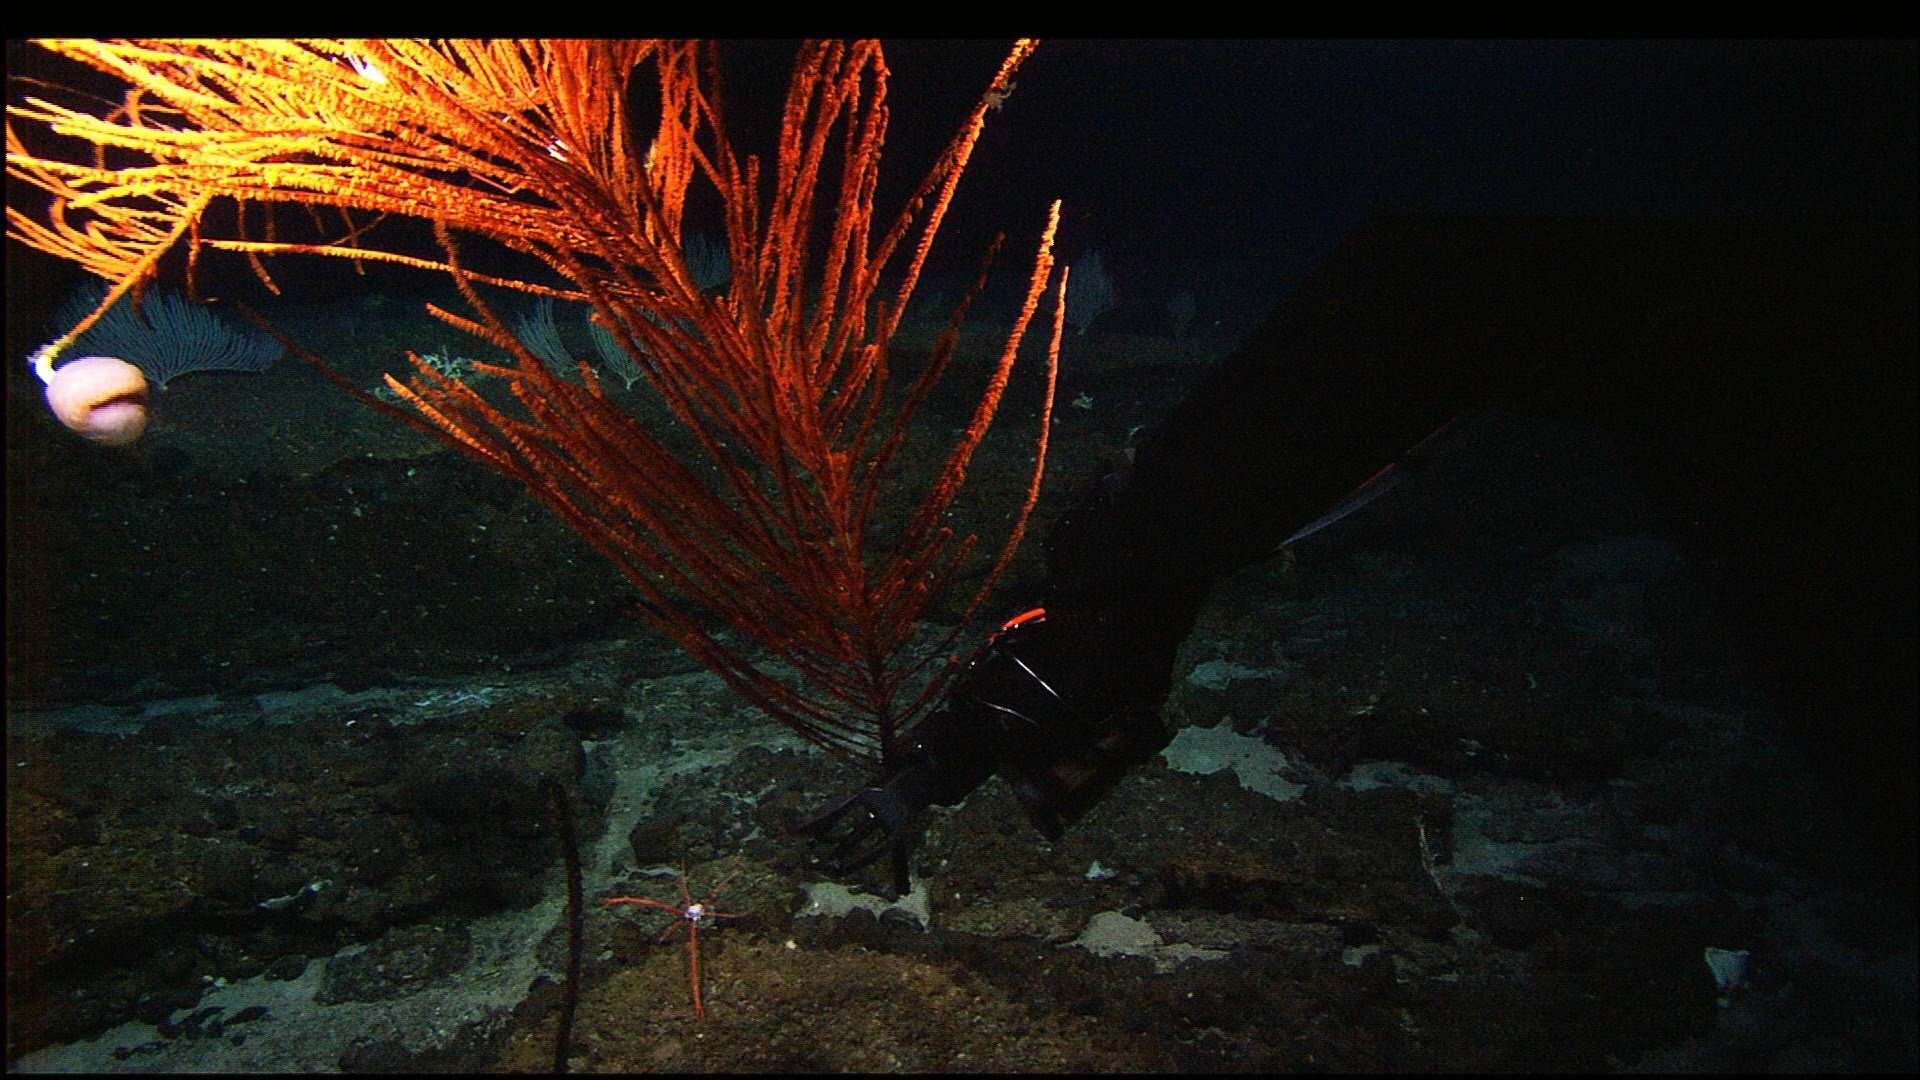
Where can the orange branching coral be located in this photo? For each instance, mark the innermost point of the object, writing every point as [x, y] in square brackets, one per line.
[781, 382]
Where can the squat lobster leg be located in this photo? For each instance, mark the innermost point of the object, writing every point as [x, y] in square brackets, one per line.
[692, 913]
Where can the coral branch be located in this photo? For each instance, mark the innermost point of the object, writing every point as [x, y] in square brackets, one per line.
[752, 514]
